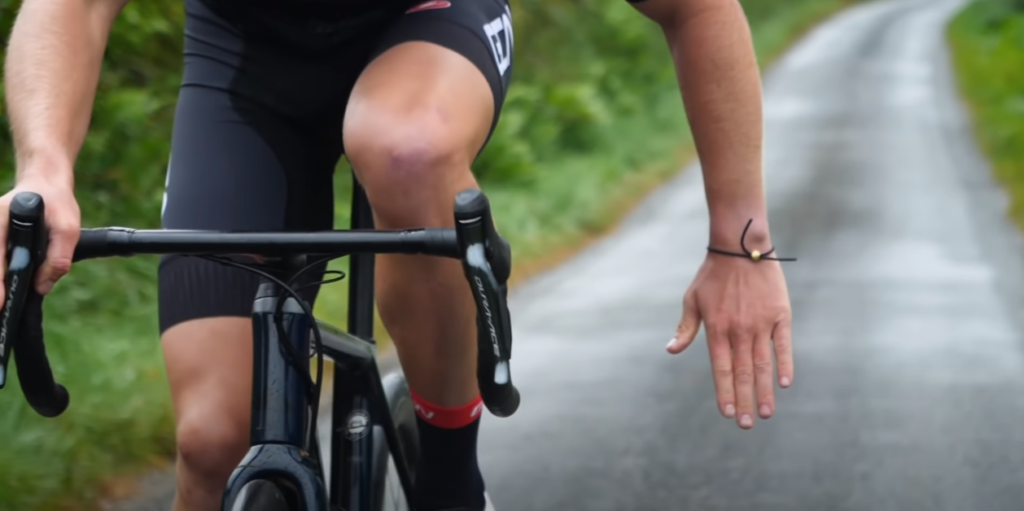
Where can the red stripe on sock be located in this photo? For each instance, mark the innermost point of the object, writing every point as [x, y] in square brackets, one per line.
[448, 417]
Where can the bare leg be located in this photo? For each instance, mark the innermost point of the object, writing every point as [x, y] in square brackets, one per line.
[209, 366]
[417, 118]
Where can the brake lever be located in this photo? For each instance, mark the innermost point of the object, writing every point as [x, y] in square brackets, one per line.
[486, 258]
[25, 250]
[21, 324]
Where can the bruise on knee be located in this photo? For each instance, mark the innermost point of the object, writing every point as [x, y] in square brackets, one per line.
[411, 167]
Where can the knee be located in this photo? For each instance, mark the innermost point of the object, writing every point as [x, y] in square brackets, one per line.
[210, 446]
[411, 166]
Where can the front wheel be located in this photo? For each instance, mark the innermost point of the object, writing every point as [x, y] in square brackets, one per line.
[386, 485]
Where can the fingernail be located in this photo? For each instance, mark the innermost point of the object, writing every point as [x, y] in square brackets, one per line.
[766, 411]
[670, 343]
[746, 421]
[730, 411]
[784, 381]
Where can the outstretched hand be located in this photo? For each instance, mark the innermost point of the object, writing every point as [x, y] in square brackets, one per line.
[744, 306]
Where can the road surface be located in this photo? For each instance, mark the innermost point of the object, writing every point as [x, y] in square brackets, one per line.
[908, 334]
[909, 349]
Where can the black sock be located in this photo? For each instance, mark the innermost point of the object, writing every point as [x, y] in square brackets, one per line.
[447, 473]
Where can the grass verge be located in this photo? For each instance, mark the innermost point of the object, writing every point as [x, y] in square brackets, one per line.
[987, 41]
[120, 421]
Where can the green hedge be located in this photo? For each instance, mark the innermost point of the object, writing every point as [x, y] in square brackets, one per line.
[988, 52]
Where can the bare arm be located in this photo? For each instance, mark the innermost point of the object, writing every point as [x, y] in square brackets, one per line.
[53, 65]
[743, 304]
[52, 69]
[718, 75]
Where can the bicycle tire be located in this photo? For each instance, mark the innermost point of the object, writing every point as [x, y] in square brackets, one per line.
[261, 495]
[403, 414]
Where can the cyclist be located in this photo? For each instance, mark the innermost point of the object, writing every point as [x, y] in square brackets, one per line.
[274, 92]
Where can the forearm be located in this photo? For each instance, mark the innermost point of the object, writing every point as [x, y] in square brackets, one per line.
[718, 75]
[53, 63]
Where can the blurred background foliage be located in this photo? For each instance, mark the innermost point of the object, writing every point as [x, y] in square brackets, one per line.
[592, 122]
[987, 40]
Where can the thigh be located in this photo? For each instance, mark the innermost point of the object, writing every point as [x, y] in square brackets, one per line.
[437, 78]
[479, 31]
[238, 162]
[247, 154]
[233, 172]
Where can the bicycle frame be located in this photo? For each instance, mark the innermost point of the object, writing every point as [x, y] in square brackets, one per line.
[280, 402]
[280, 449]
[356, 376]
[279, 409]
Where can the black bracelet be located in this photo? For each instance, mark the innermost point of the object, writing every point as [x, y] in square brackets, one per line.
[755, 255]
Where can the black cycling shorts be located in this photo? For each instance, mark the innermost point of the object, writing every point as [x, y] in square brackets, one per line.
[258, 127]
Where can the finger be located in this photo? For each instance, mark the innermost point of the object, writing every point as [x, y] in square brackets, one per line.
[5, 214]
[784, 351]
[688, 326]
[721, 368]
[743, 374]
[763, 375]
[63, 239]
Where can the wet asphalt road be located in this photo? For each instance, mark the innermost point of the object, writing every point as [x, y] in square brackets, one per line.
[908, 339]
[909, 347]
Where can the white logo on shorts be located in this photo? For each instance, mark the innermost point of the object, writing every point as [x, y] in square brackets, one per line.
[499, 33]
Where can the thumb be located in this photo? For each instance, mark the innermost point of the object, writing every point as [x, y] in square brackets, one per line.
[688, 327]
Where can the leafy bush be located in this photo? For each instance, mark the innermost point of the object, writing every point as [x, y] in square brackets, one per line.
[988, 52]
